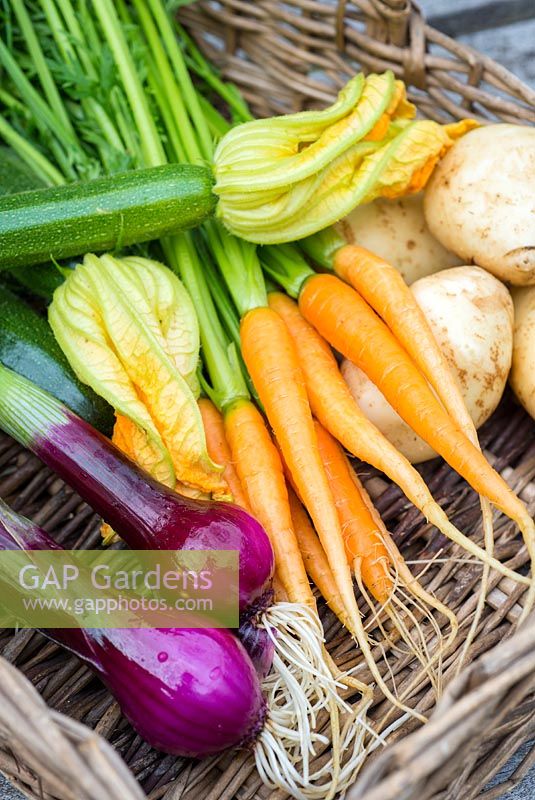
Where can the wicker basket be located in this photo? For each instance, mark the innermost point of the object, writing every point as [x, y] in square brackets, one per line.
[55, 736]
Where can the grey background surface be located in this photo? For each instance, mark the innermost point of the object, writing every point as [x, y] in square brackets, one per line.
[490, 27]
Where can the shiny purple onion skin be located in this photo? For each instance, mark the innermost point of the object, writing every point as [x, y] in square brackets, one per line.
[189, 692]
[148, 515]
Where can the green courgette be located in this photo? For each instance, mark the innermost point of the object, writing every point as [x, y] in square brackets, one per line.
[103, 214]
[28, 346]
[16, 176]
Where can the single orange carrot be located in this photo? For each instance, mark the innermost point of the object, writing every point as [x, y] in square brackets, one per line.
[279, 590]
[379, 566]
[333, 405]
[259, 469]
[219, 450]
[362, 538]
[383, 287]
[344, 318]
[314, 558]
[273, 365]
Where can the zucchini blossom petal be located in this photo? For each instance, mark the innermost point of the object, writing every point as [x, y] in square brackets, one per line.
[129, 330]
[284, 178]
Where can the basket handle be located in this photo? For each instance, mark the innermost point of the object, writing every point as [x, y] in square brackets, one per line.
[397, 22]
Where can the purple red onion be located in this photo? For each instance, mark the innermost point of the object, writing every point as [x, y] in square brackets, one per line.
[145, 513]
[190, 692]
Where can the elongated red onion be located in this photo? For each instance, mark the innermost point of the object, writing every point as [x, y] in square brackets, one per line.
[146, 514]
[190, 692]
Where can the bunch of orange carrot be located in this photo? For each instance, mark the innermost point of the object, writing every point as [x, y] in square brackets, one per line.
[294, 456]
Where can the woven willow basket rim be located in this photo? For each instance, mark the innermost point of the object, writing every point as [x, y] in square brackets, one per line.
[299, 53]
[62, 737]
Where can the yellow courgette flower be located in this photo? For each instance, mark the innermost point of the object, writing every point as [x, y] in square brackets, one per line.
[285, 178]
[129, 330]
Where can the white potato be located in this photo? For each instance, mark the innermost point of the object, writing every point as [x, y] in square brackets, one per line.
[480, 201]
[396, 230]
[522, 376]
[471, 315]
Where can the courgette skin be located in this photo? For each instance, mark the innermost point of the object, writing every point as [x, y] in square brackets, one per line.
[103, 214]
[16, 176]
[28, 346]
[41, 280]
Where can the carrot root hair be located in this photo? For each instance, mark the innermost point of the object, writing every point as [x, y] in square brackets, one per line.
[410, 622]
[413, 598]
[304, 694]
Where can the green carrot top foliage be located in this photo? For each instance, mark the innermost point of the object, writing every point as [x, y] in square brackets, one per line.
[93, 87]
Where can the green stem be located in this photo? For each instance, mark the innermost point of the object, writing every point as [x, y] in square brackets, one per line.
[168, 83]
[39, 110]
[11, 102]
[205, 70]
[321, 247]
[286, 265]
[225, 308]
[125, 124]
[187, 89]
[84, 18]
[40, 165]
[104, 123]
[228, 315]
[151, 146]
[43, 73]
[58, 31]
[41, 115]
[240, 267]
[216, 121]
[228, 385]
[175, 148]
[80, 36]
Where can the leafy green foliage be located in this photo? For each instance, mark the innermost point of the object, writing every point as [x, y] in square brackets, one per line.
[92, 87]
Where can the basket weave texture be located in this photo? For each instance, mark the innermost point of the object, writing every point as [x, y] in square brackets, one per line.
[300, 53]
[55, 736]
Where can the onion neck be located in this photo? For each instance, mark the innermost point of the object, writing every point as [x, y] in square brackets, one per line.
[19, 533]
